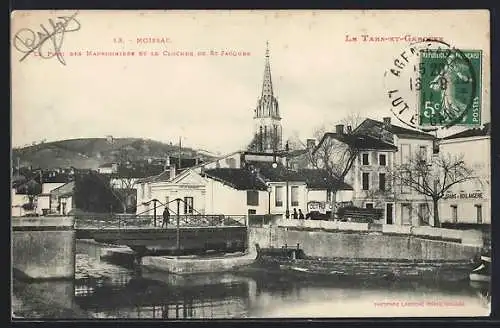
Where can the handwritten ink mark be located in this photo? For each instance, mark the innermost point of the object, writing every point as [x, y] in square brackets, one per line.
[27, 41]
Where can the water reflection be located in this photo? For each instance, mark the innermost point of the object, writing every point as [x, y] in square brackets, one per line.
[106, 290]
[128, 293]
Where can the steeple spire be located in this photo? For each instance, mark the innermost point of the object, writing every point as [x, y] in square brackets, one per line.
[267, 125]
[267, 85]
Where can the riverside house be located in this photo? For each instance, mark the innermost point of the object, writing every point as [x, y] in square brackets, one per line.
[384, 146]
[469, 202]
[241, 183]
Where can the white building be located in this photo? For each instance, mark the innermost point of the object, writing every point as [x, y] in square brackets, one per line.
[62, 200]
[242, 183]
[108, 168]
[384, 146]
[470, 201]
[369, 173]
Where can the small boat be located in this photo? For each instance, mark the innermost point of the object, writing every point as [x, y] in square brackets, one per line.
[482, 273]
[295, 261]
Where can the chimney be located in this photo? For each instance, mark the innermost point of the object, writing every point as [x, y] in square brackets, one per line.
[172, 171]
[339, 128]
[349, 129]
[387, 121]
[311, 143]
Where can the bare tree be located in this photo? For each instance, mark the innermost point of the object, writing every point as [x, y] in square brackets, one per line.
[336, 154]
[433, 179]
[294, 142]
[352, 120]
[123, 182]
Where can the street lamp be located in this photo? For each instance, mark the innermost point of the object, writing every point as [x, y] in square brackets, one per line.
[275, 165]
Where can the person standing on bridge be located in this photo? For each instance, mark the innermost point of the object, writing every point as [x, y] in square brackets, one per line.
[166, 217]
[301, 215]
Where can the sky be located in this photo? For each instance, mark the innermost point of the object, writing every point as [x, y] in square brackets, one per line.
[208, 101]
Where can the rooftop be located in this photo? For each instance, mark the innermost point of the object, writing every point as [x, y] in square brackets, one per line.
[240, 179]
[476, 132]
[359, 141]
[394, 129]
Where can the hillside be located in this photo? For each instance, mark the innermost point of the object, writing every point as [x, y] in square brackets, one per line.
[89, 153]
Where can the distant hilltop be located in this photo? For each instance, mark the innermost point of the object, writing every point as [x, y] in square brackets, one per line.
[90, 153]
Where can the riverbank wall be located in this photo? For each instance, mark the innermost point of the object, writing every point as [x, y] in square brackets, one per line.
[365, 241]
[43, 247]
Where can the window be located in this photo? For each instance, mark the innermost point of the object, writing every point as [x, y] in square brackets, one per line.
[295, 195]
[381, 181]
[366, 181]
[142, 191]
[365, 159]
[405, 182]
[382, 160]
[423, 214]
[368, 205]
[278, 196]
[479, 213]
[423, 153]
[405, 154]
[188, 205]
[454, 213]
[252, 197]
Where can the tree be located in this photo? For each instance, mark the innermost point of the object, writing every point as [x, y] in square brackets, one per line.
[432, 179]
[122, 183]
[92, 193]
[336, 154]
[352, 120]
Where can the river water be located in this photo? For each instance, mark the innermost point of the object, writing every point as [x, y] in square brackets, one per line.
[105, 290]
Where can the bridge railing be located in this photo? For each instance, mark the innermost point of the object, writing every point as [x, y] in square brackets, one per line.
[124, 221]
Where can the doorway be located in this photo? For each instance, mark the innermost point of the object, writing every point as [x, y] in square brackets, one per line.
[389, 213]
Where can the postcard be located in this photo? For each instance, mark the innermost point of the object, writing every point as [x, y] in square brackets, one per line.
[250, 164]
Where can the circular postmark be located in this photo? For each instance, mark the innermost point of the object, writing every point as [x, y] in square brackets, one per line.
[432, 85]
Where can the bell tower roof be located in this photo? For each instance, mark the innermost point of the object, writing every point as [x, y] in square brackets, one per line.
[267, 104]
[267, 85]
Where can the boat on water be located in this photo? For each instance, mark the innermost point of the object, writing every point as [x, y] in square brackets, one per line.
[295, 261]
[482, 273]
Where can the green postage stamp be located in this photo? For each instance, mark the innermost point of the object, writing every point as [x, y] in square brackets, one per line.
[450, 92]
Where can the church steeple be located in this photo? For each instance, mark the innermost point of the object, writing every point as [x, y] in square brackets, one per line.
[267, 105]
[267, 125]
[267, 85]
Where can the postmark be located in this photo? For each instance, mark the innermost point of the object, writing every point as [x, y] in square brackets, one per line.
[46, 42]
[432, 85]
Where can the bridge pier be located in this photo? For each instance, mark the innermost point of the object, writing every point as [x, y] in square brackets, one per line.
[44, 247]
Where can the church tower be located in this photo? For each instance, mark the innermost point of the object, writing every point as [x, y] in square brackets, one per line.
[267, 120]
